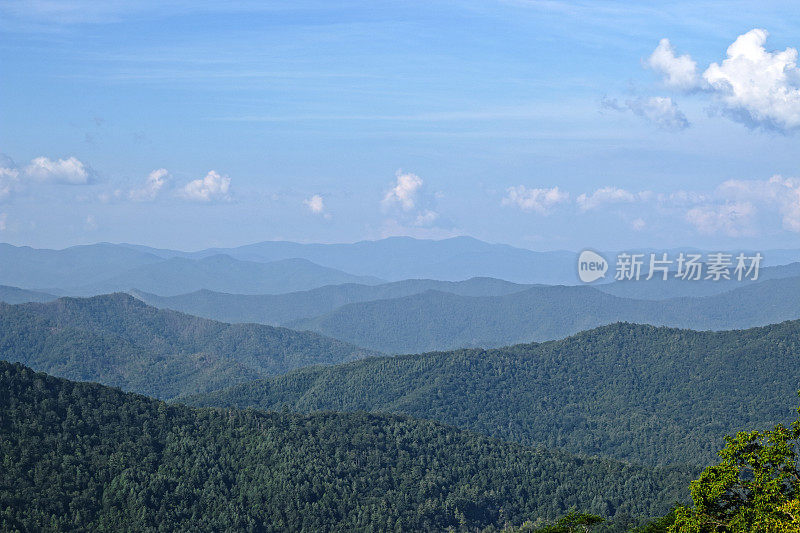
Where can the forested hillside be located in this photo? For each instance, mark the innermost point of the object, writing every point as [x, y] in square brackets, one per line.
[80, 456]
[280, 308]
[118, 340]
[436, 320]
[639, 393]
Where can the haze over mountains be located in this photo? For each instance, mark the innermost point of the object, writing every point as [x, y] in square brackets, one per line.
[436, 320]
[303, 339]
[280, 267]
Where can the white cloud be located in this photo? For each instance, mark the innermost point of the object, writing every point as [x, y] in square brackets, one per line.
[70, 171]
[411, 205]
[752, 85]
[609, 195]
[755, 86]
[539, 200]
[9, 182]
[732, 219]
[3, 221]
[405, 191]
[152, 186]
[212, 187]
[679, 72]
[316, 204]
[661, 111]
[638, 224]
[778, 194]
[426, 218]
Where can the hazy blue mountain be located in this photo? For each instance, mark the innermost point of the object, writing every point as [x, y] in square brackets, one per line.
[398, 258]
[223, 273]
[103, 267]
[120, 341]
[281, 308]
[634, 392]
[436, 320]
[658, 289]
[31, 268]
[15, 295]
[457, 258]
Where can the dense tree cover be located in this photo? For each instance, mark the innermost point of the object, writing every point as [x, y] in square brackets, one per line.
[118, 340]
[634, 392]
[281, 308]
[756, 486]
[436, 320]
[81, 456]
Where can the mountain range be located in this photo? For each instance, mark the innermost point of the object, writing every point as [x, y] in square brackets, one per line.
[81, 456]
[436, 320]
[119, 341]
[634, 392]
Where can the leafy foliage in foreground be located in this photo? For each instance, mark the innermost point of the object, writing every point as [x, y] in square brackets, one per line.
[80, 456]
[756, 486]
[119, 341]
[637, 393]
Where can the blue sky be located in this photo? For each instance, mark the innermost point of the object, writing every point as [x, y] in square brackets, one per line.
[548, 125]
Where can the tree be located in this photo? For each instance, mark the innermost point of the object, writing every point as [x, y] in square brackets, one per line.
[756, 486]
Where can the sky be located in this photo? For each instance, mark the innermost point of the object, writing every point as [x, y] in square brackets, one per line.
[541, 124]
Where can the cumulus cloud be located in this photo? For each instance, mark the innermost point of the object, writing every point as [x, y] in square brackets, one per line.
[732, 219]
[755, 86]
[679, 72]
[410, 205]
[70, 170]
[777, 194]
[752, 85]
[405, 191]
[152, 186]
[426, 219]
[9, 182]
[210, 188]
[540, 201]
[316, 204]
[609, 195]
[661, 111]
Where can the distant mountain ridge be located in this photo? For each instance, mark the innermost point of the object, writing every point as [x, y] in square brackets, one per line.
[435, 320]
[282, 308]
[105, 268]
[120, 341]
